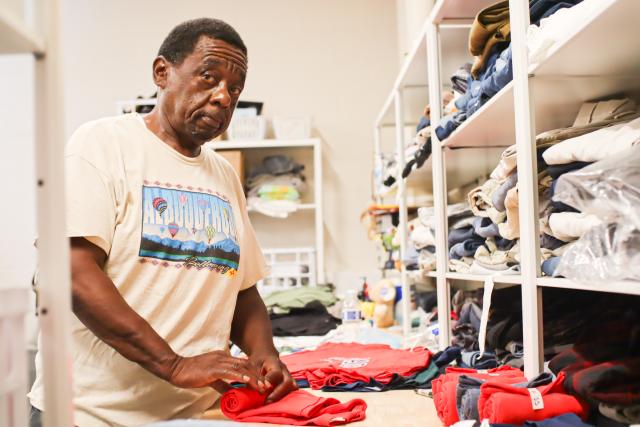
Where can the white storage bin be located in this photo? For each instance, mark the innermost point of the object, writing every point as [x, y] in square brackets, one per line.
[13, 357]
[247, 128]
[294, 127]
[289, 268]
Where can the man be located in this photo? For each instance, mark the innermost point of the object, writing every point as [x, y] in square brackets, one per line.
[163, 256]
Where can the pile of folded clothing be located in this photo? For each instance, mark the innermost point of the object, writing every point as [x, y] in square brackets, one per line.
[601, 130]
[603, 368]
[362, 367]
[301, 311]
[489, 43]
[275, 187]
[489, 244]
[501, 395]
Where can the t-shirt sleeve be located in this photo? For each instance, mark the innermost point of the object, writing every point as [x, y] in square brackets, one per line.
[91, 205]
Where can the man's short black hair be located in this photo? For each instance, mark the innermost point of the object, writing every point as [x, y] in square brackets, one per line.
[183, 38]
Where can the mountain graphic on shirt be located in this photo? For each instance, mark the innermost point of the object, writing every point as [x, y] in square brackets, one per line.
[190, 228]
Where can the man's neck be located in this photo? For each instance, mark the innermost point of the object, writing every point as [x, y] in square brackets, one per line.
[158, 124]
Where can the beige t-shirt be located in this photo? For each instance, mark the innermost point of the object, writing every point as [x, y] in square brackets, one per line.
[180, 247]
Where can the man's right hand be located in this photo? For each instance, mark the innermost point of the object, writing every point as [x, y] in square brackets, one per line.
[214, 369]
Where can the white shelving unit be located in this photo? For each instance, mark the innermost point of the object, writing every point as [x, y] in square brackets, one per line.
[541, 97]
[33, 28]
[316, 206]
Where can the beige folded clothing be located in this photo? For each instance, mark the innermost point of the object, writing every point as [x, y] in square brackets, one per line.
[481, 201]
[569, 226]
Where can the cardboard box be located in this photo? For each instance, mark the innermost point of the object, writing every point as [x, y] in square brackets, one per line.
[236, 158]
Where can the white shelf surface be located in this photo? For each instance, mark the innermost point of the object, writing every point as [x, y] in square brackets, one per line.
[566, 79]
[446, 10]
[266, 143]
[621, 287]
[510, 279]
[432, 274]
[607, 45]
[16, 36]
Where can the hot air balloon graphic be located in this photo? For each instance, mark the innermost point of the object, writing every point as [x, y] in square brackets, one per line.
[183, 199]
[160, 205]
[173, 229]
[210, 231]
[203, 204]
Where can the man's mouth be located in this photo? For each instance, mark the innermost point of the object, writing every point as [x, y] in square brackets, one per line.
[211, 122]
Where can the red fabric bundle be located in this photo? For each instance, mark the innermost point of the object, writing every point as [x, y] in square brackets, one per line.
[504, 404]
[299, 408]
[444, 388]
[333, 364]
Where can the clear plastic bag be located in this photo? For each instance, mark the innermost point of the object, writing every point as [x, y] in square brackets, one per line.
[609, 189]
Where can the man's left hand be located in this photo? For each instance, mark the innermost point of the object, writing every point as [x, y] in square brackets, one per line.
[276, 376]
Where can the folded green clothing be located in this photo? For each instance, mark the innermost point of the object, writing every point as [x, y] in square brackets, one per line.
[283, 301]
[278, 192]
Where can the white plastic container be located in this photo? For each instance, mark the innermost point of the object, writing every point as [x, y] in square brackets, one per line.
[293, 127]
[247, 128]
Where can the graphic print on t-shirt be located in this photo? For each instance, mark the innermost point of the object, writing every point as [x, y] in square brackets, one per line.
[188, 229]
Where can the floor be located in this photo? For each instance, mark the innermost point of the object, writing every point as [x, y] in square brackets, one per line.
[401, 408]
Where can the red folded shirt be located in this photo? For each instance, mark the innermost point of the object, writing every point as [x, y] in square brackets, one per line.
[299, 408]
[444, 388]
[333, 364]
[505, 404]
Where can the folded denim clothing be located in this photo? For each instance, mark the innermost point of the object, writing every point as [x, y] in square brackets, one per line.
[539, 9]
[555, 171]
[504, 244]
[507, 164]
[423, 123]
[555, 28]
[510, 229]
[459, 235]
[568, 226]
[490, 26]
[497, 76]
[466, 249]
[450, 123]
[549, 242]
[471, 313]
[501, 193]
[460, 78]
[559, 206]
[595, 146]
[484, 227]
[468, 392]
[476, 360]
[622, 414]
[549, 266]
[480, 200]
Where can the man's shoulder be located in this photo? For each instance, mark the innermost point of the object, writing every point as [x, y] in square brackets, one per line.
[101, 133]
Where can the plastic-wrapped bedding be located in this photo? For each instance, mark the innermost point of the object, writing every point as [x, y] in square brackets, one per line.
[609, 189]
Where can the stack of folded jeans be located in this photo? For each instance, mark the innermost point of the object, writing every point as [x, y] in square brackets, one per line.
[489, 43]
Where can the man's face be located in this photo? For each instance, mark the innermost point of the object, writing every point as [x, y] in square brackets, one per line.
[201, 93]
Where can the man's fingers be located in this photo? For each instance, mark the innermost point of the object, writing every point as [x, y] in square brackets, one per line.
[274, 377]
[282, 390]
[233, 372]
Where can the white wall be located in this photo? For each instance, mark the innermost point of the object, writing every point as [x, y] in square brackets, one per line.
[411, 16]
[333, 59]
[17, 173]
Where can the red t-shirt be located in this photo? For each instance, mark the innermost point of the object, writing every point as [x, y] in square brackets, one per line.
[345, 363]
[297, 408]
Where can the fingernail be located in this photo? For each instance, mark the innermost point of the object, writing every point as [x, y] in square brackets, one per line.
[246, 378]
[260, 384]
[268, 383]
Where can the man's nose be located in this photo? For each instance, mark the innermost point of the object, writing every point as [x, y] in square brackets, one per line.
[220, 96]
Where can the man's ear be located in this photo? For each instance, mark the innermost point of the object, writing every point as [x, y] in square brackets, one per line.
[160, 71]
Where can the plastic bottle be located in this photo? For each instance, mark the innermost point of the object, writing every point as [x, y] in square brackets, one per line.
[351, 308]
